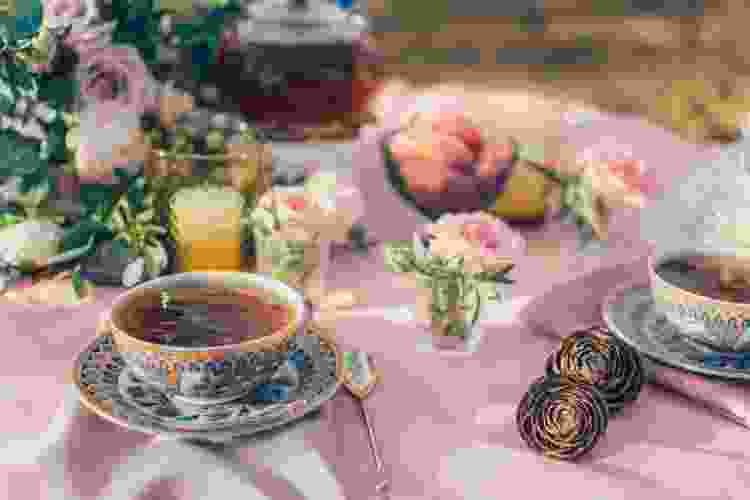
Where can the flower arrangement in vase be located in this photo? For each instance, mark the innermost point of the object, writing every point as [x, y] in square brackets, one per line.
[294, 228]
[457, 263]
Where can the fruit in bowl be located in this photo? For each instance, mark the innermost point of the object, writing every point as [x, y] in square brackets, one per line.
[444, 163]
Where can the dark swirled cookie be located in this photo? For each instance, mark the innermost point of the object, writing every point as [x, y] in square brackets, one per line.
[560, 418]
[594, 356]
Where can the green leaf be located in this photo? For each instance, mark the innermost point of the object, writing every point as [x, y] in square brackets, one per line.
[26, 266]
[20, 158]
[348, 360]
[56, 149]
[97, 197]
[120, 248]
[533, 153]
[488, 291]
[58, 93]
[456, 328]
[78, 285]
[149, 265]
[399, 257]
[79, 234]
[7, 97]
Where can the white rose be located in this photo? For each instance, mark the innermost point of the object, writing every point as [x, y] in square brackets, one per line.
[33, 241]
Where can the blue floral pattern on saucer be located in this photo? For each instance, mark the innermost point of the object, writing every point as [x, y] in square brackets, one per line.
[110, 389]
[631, 315]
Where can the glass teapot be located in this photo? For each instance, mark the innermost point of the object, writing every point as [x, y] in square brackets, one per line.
[297, 62]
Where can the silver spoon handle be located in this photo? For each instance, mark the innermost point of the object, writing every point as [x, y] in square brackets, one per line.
[382, 482]
[373, 439]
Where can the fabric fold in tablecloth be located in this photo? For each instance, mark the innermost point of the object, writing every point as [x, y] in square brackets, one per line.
[577, 303]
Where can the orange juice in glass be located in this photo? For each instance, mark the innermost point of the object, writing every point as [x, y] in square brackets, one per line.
[208, 224]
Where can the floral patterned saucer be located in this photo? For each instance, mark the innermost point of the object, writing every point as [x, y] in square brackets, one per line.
[630, 314]
[108, 388]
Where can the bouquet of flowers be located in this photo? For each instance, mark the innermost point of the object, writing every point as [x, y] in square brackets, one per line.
[77, 88]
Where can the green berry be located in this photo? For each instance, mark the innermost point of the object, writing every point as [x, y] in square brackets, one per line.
[215, 141]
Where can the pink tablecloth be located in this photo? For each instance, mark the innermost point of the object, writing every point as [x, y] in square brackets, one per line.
[445, 423]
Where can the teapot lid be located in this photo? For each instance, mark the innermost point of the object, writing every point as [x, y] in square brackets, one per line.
[291, 22]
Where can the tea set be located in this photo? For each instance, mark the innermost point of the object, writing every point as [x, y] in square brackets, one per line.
[689, 316]
[208, 392]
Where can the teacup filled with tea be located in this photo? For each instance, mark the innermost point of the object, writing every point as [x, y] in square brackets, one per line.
[706, 294]
[196, 335]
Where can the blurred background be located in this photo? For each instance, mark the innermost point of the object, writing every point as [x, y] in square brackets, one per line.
[680, 64]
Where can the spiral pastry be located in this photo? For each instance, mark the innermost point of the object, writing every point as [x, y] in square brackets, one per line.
[593, 356]
[560, 418]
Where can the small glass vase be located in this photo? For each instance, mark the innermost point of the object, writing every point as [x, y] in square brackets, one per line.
[442, 334]
[272, 255]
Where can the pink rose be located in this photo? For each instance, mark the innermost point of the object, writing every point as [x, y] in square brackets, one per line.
[116, 80]
[79, 16]
[618, 182]
[86, 39]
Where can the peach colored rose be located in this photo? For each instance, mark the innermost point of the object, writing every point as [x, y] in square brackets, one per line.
[617, 182]
[102, 149]
[295, 208]
[172, 103]
[485, 242]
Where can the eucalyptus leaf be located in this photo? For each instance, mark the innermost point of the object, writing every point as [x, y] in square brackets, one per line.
[146, 215]
[149, 265]
[153, 229]
[488, 291]
[119, 217]
[398, 257]
[124, 237]
[456, 328]
[73, 254]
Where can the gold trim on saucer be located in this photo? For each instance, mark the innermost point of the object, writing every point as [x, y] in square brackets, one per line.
[104, 408]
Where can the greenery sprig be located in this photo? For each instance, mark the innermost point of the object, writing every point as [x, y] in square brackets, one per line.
[578, 201]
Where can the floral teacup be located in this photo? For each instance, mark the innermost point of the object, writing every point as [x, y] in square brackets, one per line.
[208, 373]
